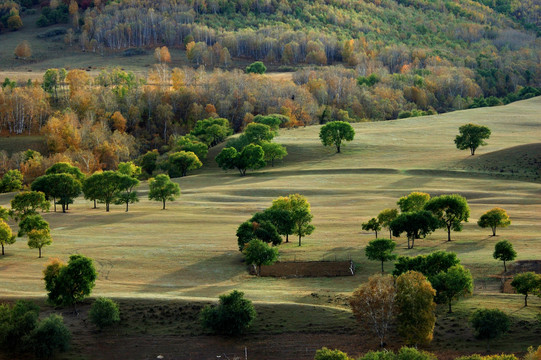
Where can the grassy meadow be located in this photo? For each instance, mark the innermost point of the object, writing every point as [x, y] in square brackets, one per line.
[188, 253]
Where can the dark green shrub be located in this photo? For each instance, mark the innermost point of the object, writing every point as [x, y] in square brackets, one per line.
[232, 316]
[104, 312]
[50, 336]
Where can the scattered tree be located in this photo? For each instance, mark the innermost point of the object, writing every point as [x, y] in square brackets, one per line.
[37, 239]
[129, 168]
[471, 137]
[259, 253]
[27, 202]
[429, 265]
[11, 181]
[526, 283]
[450, 210]
[273, 152]
[16, 324]
[257, 228]
[415, 303]
[212, 131]
[489, 324]
[328, 354]
[71, 283]
[32, 222]
[256, 67]
[413, 202]
[163, 189]
[503, 250]
[104, 186]
[494, 218]
[250, 157]
[385, 217]
[301, 216]
[23, 50]
[256, 133]
[372, 225]
[6, 235]
[415, 225]
[61, 186]
[233, 315]
[50, 336]
[104, 312]
[374, 304]
[180, 162]
[281, 216]
[452, 284]
[380, 250]
[335, 132]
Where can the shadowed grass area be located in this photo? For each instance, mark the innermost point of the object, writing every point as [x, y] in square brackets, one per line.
[189, 252]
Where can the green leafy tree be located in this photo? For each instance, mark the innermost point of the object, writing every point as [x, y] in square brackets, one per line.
[256, 133]
[257, 229]
[256, 67]
[450, 210]
[493, 219]
[251, 157]
[212, 131]
[191, 143]
[416, 307]
[258, 253]
[526, 283]
[429, 265]
[335, 132]
[489, 324]
[149, 161]
[273, 152]
[471, 137]
[232, 316]
[6, 235]
[66, 168]
[4, 213]
[385, 217]
[413, 202]
[161, 188]
[373, 304]
[32, 222]
[104, 312]
[452, 284]
[16, 324]
[11, 181]
[127, 194]
[104, 186]
[37, 239]
[380, 250]
[301, 216]
[129, 168]
[61, 186]
[69, 284]
[415, 225]
[91, 187]
[180, 162]
[27, 203]
[328, 354]
[281, 218]
[372, 225]
[503, 250]
[50, 336]
[272, 120]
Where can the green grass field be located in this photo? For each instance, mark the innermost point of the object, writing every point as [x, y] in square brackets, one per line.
[189, 253]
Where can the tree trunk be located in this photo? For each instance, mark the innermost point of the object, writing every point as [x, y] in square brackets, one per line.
[67, 206]
[299, 240]
[504, 267]
[448, 233]
[63, 207]
[2, 249]
[472, 150]
[526, 300]
[127, 206]
[163, 204]
[287, 238]
[382, 266]
[272, 162]
[337, 148]
[450, 310]
[95, 207]
[376, 234]
[494, 231]
[39, 253]
[107, 207]
[390, 234]
[54, 202]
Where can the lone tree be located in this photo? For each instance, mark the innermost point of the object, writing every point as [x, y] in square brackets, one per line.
[372, 225]
[413, 202]
[450, 210]
[526, 283]
[104, 187]
[6, 235]
[503, 250]
[180, 162]
[385, 217]
[258, 253]
[250, 157]
[23, 50]
[471, 137]
[489, 324]
[233, 315]
[127, 195]
[380, 250]
[415, 302]
[334, 132]
[256, 67]
[301, 216]
[415, 225]
[374, 304]
[71, 283]
[452, 284]
[104, 312]
[493, 219]
[37, 239]
[162, 189]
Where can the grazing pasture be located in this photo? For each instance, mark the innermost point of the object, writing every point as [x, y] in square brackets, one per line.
[188, 254]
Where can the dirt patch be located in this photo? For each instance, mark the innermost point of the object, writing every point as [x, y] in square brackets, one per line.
[308, 269]
[517, 268]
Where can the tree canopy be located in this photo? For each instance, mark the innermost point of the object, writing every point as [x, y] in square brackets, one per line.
[413, 202]
[493, 219]
[380, 250]
[161, 188]
[372, 225]
[503, 250]
[27, 203]
[232, 316]
[526, 283]
[385, 217]
[258, 253]
[179, 163]
[256, 67]
[450, 210]
[452, 284]
[335, 132]
[250, 157]
[471, 137]
[489, 324]
[415, 225]
[6, 235]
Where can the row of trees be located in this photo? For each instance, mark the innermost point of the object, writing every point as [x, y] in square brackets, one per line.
[420, 215]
